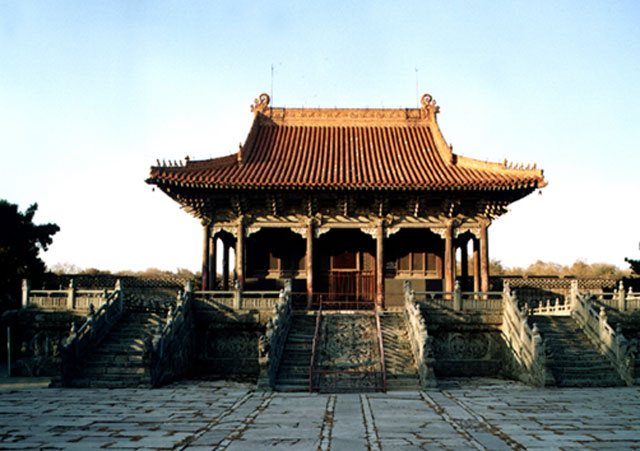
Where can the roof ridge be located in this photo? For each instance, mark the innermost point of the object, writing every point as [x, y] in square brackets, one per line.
[505, 167]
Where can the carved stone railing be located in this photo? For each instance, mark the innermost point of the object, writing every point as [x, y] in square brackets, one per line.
[68, 299]
[462, 301]
[172, 348]
[549, 308]
[272, 343]
[240, 300]
[525, 343]
[611, 343]
[419, 338]
[619, 299]
[82, 341]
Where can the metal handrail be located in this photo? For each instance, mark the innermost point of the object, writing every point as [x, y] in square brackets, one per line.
[380, 343]
[314, 346]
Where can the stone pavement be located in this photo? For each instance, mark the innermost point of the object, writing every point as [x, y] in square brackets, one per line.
[462, 414]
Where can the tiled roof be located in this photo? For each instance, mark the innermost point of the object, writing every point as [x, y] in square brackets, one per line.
[346, 149]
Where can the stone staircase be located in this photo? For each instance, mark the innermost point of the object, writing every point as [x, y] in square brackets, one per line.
[293, 372]
[119, 360]
[401, 370]
[572, 358]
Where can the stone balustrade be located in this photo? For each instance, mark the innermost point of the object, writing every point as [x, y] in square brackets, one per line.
[240, 300]
[620, 299]
[99, 323]
[70, 299]
[271, 344]
[555, 308]
[525, 343]
[419, 338]
[172, 347]
[610, 343]
[462, 301]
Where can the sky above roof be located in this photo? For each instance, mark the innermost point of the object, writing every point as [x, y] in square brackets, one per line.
[92, 93]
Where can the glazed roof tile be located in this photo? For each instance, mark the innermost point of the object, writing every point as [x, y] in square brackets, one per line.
[346, 149]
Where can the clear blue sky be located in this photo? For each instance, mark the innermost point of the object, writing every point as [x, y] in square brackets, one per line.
[91, 93]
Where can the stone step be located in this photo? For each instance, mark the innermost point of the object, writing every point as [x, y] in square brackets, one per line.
[572, 358]
[284, 387]
[119, 360]
[114, 370]
[116, 361]
[589, 382]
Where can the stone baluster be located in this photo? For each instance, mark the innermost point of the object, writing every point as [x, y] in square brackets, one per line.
[457, 297]
[90, 320]
[237, 296]
[26, 288]
[118, 289]
[574, 294]
[71, 299]
[622, 299]
[536, 341]
[602, 321]
[406, 288]
[522, 315]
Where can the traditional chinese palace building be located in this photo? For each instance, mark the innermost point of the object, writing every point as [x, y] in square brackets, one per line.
[347, 203]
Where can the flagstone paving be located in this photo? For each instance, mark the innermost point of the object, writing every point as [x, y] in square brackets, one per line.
[461, 414]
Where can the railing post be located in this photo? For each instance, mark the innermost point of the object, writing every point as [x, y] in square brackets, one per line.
[522, 316]
[118, 289]
[407, 290]
[71, 299]
[8, 351]
[574, 294]
[602, 321]
[26, 287]
[457, 296]
[237, 297]
[622, 299]
[92, 312]
[536, 339]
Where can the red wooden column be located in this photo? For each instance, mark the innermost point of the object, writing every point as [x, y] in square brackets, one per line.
[309, 263]
[225, 265]
[240, 253]
[213, 262]
[476, 264]
[380, 265]
[449, 258]
[206, 235]
[484, 256]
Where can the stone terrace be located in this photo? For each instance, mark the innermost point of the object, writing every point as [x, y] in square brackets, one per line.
[461, 414]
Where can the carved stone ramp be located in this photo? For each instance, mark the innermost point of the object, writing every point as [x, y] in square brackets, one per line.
[402, 373]
[293, 372]
[574, 361]
[348, 354]
[120, 360]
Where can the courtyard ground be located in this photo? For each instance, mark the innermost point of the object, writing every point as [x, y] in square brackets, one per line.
[196, 415]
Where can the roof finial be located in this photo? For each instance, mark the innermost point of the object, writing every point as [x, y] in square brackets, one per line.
[261, 103]
[429, 104]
